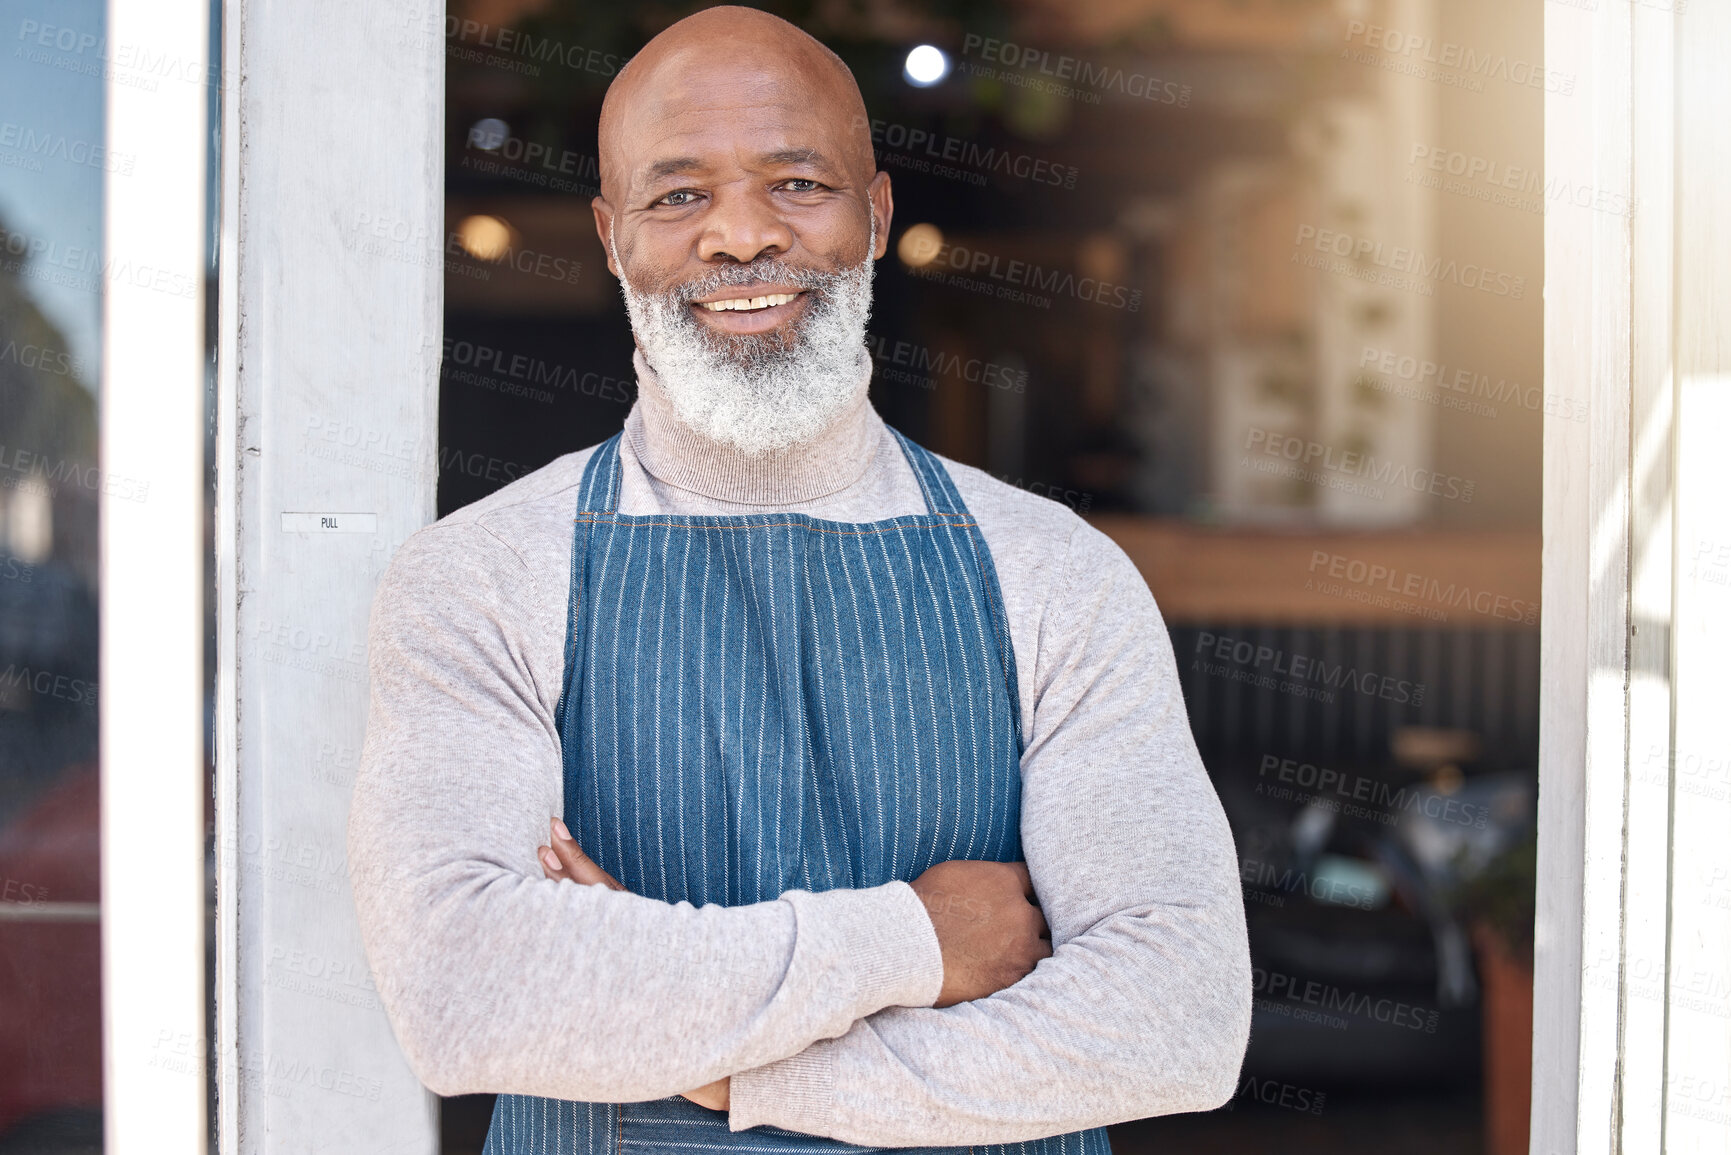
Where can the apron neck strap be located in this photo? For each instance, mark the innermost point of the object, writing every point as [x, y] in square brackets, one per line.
[934, 479]
[599, 492]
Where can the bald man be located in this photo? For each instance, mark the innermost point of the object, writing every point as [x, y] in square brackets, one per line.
[757, 779]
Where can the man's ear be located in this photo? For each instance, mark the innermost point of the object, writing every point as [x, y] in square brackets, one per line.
[604, 229]
[883, 205]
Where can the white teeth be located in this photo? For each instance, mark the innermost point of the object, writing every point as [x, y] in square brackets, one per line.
[747, 304]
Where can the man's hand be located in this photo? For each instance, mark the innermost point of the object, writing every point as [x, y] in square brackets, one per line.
[712, 1095]
[564, 861]
[989, 929]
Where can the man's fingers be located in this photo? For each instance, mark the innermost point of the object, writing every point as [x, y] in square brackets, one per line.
[577, 866]
[1021, 869]
[714, 1095]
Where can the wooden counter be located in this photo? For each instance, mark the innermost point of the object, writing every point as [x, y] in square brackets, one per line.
[1464, 579]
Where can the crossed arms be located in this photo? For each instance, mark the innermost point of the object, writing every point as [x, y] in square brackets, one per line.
[819, 1010]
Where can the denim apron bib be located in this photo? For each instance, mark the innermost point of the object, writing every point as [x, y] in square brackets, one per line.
[767, 702]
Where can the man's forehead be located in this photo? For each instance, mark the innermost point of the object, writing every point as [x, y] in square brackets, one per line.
[759, 101]
[676, 163]
[752, 106]
[730, 135]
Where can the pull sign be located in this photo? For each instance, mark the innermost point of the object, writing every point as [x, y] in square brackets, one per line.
[330, 522]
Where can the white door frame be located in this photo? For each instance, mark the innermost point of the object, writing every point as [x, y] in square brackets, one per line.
[1633, 954]
[152, 577]
[331, 302]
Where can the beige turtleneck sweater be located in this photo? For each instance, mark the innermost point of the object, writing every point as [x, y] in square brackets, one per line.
[818, 1005]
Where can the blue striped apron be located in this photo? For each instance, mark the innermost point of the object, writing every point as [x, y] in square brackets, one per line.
[766, 702]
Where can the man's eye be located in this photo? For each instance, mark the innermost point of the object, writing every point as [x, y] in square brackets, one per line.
[802, 185]
[678, 198]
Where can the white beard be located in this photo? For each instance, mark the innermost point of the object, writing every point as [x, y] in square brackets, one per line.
[758, 393]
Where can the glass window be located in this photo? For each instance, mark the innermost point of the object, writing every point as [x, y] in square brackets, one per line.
[52, 167]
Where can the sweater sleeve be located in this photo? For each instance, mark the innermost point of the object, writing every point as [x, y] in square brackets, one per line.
[1144, 1007]
[498, 979]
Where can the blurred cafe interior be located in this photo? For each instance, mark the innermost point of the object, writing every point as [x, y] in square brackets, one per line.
[1252, 285]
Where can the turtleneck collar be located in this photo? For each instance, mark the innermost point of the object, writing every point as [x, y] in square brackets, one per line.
[676, 454]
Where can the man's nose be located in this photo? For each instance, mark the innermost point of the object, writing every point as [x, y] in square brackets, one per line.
[743, 225]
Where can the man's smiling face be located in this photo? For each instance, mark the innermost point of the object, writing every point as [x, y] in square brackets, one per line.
[737, 175]
[742, 210]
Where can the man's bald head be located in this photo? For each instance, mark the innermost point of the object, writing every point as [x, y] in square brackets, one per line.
[729, 53]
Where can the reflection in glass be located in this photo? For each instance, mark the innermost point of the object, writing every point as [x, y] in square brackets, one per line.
[52, 168]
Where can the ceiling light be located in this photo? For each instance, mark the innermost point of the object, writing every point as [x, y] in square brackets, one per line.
[919, 245]
[487, 238]
[926, 66]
